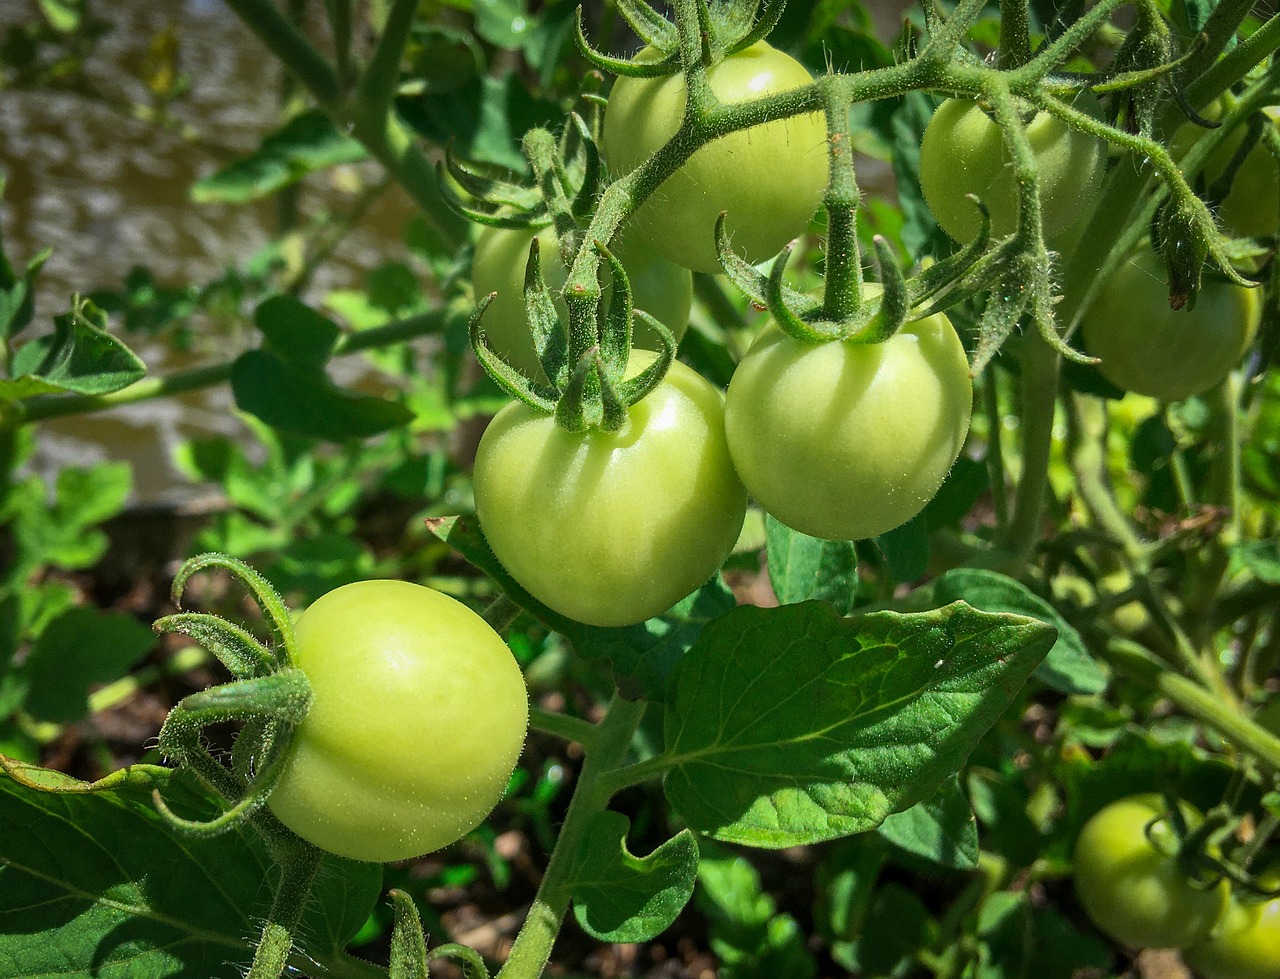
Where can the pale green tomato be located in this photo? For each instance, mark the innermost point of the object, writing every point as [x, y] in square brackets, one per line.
[843, 440]
[769, 179]
[1245, 943]
[662, 289]
[418, 718]
[1146, 347]
[963, 153]
[611, 528]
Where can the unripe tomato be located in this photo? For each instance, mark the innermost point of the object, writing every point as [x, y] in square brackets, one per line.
[846, 440]
[963, 153]
[1245, 944]
[1146, 347]
[1131, 884]
[769, 179]
[662, 289]
[418, 718]
[611, 528]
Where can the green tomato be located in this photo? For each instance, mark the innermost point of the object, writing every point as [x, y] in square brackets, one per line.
[963, 153]
[1146, 347]
[1245, 944]
[611, 528]
[396, 758]
[1131, 884]
[662, 289]
[769, 179]
[847, 440]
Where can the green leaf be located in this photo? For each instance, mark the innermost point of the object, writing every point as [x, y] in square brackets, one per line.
[295, 333]
[803, 567]
[941, 828]
[897, 928]
[1261, 558]
[1069, 667]
[905, 549]
[791, 725]
[81, 647]
[619, 897]
[1022, 940]
[95, 884]
[17, 295]
[80, 355]
[305, 402]
[307, 143]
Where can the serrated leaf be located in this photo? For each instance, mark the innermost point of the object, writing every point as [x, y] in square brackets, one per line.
[1069, 667]
[619, 897]
[941, 828]
[80, 355]
[96, 884]
[82, 647]
[803, 567]
[643, 656]
[308, 142]
[307, 403]
[791, 725]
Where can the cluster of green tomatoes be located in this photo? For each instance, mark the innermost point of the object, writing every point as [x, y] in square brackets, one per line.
[1138, 886]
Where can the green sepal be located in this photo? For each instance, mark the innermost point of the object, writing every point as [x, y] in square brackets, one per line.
[615, 330]
[285, 695]
[650, 26]
[469, 961]
[584, 200]
[253, 800]
[408, 944]
[770, 12]
[502, 373]
[549, 341]
[749, 280]
[571, 409]
[261, 590]
[775, 300]
[634, 389]
[488, 182]
[613, 412]
[621, 66]
[234, 646]
[895, 302]
[491, 216]
[942, 274]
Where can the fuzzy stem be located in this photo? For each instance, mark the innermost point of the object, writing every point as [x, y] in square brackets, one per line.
[297, 874]
[843, 281]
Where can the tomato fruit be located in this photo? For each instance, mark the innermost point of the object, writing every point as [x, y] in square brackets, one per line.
[418, 718]
[963, 153]
[1133, 887]
[1245, 944]
[662, 289]
[611, 528]
[846, 440]
[1146, 347]
[769, 179]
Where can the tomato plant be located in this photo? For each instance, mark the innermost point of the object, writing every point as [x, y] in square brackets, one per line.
[1131, 882]
[1145, 346]
[846, 440]
[1252, 205]
[661, 288]
[769, 178]
[610, 528]
[963, 152]
[392, 759]
[1245, 943]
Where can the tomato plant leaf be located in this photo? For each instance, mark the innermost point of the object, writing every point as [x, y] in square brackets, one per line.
[1069, 667]
[306, 143]
[941, 828]
[1022, 940]
[305, 402]
[791, 725]
[95, 883]
[905, 549]
[79, 356]
[803, 567]
[1260, 558]
[295, 332]
[83, 646]
[619, 897]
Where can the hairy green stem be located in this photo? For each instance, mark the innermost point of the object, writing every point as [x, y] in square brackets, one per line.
[297, 874]
[532, 948]
[563, 726]
[995, 450]
[1015, 34]
[843, 280]
[1039, 398]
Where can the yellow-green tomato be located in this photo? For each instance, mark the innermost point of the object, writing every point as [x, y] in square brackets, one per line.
[418, 718]
[769, 179]
[1146, 347]
[963, 152]
[611, 528]
[1131, 883]
[1245, 944]
[845, 440]
[662, 289]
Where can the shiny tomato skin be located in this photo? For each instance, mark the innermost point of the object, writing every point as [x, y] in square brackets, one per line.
[846, 441]
[1133, 890]
[962, 152]
[769, 179]
[418, 718]
[1148, 348]
[1245, 944]
[611, 528]
[662, 289]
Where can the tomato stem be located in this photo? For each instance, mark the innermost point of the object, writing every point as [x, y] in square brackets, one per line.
[298, 871]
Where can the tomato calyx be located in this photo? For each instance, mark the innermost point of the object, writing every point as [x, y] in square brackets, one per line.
[269, 694]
